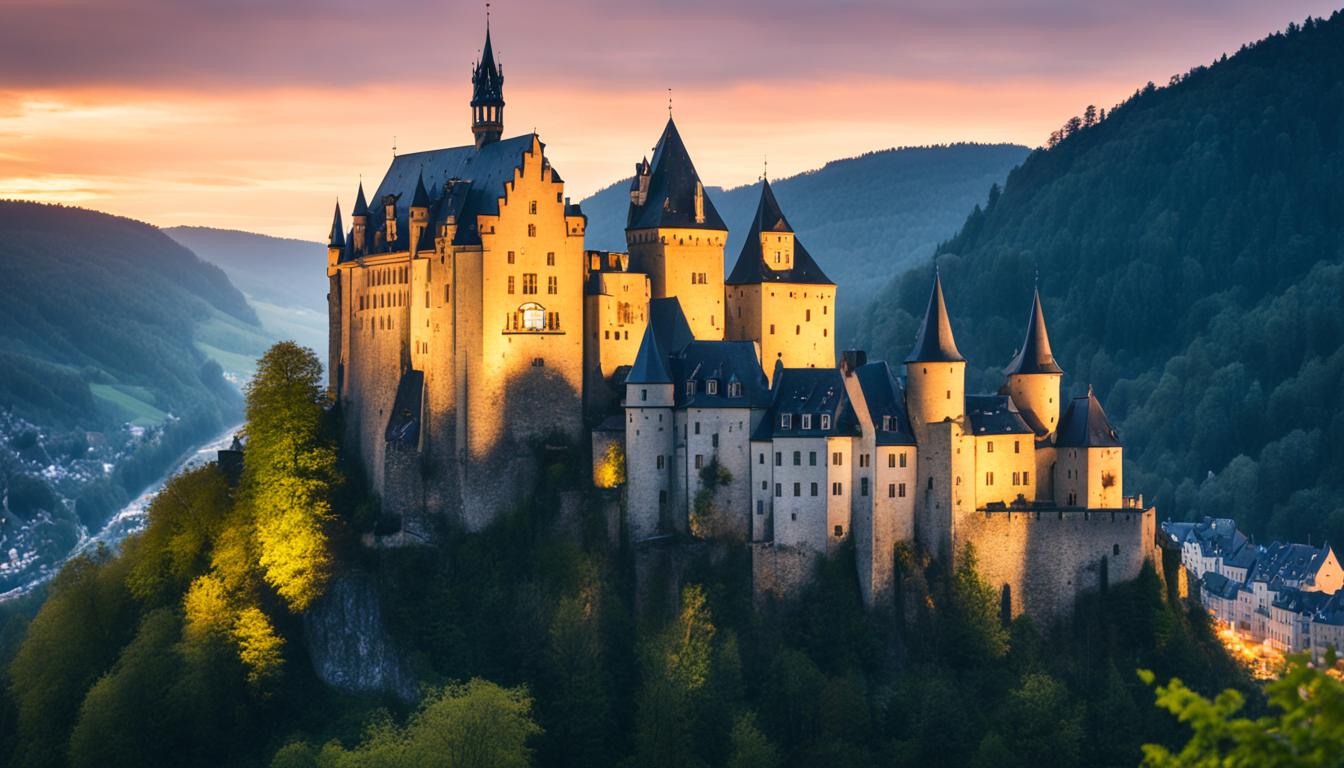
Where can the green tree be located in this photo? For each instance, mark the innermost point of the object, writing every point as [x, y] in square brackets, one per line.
[972, 629]
[471, 725]
[1305, 730]
[290, 473]
[750, 747]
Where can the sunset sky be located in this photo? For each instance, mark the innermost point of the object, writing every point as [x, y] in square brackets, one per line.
[257, 115]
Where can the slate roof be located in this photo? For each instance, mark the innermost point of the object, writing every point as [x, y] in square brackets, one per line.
[1085, 425]
[460, 182]
[671, 192]
[337, 237]
[725, 362]
[1220, 585]
[1035, 355]
[934, 342]
[815, 391]
[1283, 563]
[751, 265]
[1299, 601]
[885, 396]
[361, 205]
[666, 334]
[995, 415]
[1332, 610]
[487, 80]
[403, 424]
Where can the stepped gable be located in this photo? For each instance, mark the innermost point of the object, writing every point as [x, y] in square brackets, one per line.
[1085, 425]
[671, 192]
[472, 181]
[934, 342]
[886, 401]
[751, 267]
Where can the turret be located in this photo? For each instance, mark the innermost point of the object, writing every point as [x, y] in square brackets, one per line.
[1034, 376]
[335, 242]
[390, 233]
[676, 236]
[359, 222]
[418, 217]
[1089, 458]
[935, 372]
[487, 96]
[649, 447]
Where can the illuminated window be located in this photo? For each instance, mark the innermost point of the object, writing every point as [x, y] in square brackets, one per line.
[534, 317]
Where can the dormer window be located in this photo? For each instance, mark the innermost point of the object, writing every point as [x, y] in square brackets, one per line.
[887, 425]
[734, 389]
[690, 388]
[807, 421]
[825, 421]
[712, 387]
[786, 421]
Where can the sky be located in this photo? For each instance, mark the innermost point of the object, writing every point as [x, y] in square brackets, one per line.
[259, 115]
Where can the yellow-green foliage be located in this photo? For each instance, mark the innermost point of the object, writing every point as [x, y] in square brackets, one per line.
[472, 724]
[610, 471]
[184, 519]
[1305, 727]
[688, 644]
[259, 646]
[289, 472]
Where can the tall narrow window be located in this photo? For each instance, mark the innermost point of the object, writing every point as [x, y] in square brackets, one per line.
[532, 207]
[510, 283]
[550, 258]
[552, 285]
[531, 230]
[825, 421]
[529, 283]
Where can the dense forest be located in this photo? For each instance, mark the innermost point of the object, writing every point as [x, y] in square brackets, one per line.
[93, 299]
[542, 641]
[1191, 266]
[874, 214]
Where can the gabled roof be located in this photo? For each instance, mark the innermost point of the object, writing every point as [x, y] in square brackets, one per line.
[934, 342]
[724, 362]
[995, 415]
[1085, 425]
[1035, 355]
[812, 391]
[751, 266]
[885, 397]
[1332, 610]
[1299, 601]
[337, 237]
[1218, 584]
[672, 187]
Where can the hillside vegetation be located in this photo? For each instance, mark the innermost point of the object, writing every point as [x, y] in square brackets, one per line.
[1192, 270]
[865, 216]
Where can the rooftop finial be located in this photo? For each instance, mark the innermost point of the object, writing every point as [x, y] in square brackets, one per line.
[669, 103]
[765, 167]
[487, 18]
[394, 145]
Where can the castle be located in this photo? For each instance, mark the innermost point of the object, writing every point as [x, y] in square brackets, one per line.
[469, 325]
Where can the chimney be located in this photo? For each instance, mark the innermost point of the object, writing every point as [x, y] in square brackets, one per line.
[851, 360]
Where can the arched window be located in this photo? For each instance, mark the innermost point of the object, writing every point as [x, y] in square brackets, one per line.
[534, 316]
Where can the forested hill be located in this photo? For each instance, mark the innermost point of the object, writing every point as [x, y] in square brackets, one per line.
[1190, 252]
[861, 217]
[277, 270]
[106, 320]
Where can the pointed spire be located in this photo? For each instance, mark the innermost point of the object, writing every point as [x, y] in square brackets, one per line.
[421, 197]
[673, 189]
[769, 216]
[934, 343]
[361, 205]
[1035, 355]
[751, 267]
[337, 237]
[650, 362]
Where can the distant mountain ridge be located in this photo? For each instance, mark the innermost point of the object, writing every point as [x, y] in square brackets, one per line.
[1191, 256]
[863, 218]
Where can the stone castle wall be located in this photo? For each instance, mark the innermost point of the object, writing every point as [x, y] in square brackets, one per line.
[673, 259]
[792, 324]
[780, 571]
[1047, 558]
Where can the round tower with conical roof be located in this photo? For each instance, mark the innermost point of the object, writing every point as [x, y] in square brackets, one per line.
[935, 372]
[1034, 376]
[649, 439]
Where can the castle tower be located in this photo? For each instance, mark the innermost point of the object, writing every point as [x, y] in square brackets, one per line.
[935, 372]
[359, 223]
[1033, 376]
[778, 297]
[418, 216]
[1088, 468]
[676, 237]
[335, 241]
[649, 438]
[487, 96]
